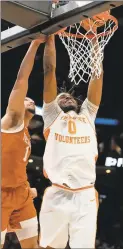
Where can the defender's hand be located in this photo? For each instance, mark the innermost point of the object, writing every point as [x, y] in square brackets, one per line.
[41, 39]
[33, 192]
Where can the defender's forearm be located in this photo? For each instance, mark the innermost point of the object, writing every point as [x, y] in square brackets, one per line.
[28, 62]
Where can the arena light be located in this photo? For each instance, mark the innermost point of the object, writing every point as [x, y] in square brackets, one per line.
[107, 121]
[108, 171]
[11, 32]
[82, 3]
[30, 160]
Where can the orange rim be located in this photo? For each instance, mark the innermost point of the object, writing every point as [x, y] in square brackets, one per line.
[89, 36]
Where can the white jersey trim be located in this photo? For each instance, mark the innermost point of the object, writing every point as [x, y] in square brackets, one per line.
[18, 129]
[51, 123]
[50, 113]
[90, 109]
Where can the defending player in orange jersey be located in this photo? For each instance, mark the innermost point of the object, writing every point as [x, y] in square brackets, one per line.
[18, 211]
[69, 208]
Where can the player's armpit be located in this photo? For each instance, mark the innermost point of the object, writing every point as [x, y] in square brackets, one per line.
[11, 120]
[49, 62]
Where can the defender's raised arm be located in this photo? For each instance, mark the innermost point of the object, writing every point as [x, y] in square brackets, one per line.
[15, 111]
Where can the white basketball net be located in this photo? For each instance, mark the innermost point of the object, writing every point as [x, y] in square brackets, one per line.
[86, 54]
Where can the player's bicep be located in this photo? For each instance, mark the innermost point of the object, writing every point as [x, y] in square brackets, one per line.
[89, 109]
[50, 112]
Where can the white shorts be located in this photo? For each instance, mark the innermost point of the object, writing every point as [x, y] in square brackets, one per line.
[67, 215]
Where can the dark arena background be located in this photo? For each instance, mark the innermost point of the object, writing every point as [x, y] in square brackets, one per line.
[109, 128]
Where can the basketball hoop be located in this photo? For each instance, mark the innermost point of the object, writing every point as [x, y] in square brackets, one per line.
[85, 43]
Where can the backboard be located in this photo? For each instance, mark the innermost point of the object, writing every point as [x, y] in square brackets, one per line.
[44, 17]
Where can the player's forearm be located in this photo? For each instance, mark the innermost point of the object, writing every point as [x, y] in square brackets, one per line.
[49, 60]
[95, 84]
[49, 63]
[28, 62]
[19, 91]
[95, 90]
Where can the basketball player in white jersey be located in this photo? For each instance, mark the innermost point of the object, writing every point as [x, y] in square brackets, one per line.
[69, 208]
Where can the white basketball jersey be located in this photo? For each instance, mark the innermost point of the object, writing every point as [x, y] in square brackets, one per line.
[71, 150]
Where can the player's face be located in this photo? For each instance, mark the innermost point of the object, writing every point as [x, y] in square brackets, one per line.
[67, 102]
[29, 107]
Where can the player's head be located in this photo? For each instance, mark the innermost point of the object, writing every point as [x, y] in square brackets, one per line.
[67, 102]
[29, 108]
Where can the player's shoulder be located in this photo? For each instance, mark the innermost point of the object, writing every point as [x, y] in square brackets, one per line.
[89, 109]
[51, 107]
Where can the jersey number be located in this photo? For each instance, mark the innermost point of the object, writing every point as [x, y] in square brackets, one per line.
[71, 127]
[26, 154]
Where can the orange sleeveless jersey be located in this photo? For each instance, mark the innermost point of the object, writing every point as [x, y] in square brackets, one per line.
[16, 149]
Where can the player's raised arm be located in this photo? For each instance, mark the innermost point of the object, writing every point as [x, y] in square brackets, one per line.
[19, 91]
[51, 109]
[95, 90]
[94, 94]
[49, 62]
[15, 109]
